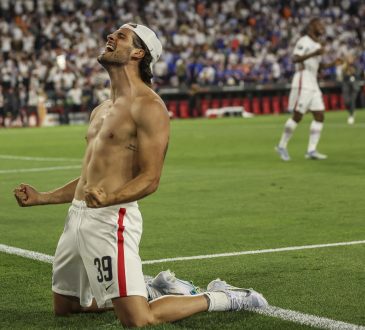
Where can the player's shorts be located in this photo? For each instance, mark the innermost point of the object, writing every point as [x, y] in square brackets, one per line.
[302, 100]
[98, 254]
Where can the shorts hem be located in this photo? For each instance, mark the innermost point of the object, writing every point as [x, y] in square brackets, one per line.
[72, 294]
[101, 303]
[314, 110]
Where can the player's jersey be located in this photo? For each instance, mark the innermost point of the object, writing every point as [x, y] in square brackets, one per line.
[306, 71]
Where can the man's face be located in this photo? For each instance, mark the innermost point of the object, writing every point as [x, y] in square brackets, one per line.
[118, 48]
[318, 28]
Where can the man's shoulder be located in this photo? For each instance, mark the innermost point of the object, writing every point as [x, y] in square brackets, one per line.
[305, 39]
[149, 108]
[149, 101]
[310, 41]
[99, 108]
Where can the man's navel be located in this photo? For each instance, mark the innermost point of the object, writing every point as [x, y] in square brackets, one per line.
[132, 147]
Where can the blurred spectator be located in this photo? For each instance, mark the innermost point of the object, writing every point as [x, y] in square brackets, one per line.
[74, 98]
[2, 113]
[55, 44]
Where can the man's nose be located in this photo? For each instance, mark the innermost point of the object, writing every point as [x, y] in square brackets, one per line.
[110, 37]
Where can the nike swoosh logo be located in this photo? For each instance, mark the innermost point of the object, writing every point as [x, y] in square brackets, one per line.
[107, 287]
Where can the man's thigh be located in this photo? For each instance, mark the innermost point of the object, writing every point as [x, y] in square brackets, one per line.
[299, 100]
[316, 104]
[109, 249]
[69, 277]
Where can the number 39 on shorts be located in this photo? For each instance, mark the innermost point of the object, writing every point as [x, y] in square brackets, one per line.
[104, 267]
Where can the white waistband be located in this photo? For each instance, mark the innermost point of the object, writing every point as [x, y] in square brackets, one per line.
[82, 204]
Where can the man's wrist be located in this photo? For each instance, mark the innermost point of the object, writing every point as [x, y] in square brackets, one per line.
[43, 198]
[113, 199]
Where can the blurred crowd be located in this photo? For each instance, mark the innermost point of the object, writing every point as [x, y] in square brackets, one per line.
[48, 48]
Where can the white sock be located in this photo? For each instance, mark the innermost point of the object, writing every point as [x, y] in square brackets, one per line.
[314, 135]
[289, 129]
[218, 301]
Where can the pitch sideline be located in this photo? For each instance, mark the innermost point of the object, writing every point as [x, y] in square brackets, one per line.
[49, 259]
[41, 159]
[40, 169]
[272, 311]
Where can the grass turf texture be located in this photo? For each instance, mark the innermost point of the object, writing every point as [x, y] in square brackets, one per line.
[223, 189]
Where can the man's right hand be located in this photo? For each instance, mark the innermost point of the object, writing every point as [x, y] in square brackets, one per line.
[26, 195]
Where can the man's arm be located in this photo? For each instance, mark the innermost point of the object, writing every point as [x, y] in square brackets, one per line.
[27, 195]
[336, 62]
[302, 58]
[153, 124]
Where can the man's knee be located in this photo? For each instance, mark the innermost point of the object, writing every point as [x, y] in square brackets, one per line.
[297, 116]
[134, 312]
[318, 116]
[65, 305]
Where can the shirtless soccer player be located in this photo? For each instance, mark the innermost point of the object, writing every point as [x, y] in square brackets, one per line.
[97, 263]
[305, 94]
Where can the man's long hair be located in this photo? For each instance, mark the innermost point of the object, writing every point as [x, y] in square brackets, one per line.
[145, 64]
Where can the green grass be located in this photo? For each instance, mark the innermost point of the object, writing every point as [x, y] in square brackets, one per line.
[223, 190]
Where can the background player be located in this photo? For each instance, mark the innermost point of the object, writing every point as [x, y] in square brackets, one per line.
[305, 94]
[351, 74]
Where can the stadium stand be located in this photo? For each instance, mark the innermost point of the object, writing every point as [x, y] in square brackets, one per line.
[49, 48]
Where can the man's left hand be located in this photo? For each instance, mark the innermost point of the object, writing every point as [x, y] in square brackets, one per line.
[96, 197]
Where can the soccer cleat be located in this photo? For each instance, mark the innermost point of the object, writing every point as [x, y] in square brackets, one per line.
[167, 283]
[239, 298]
[315, 155]
[219, 285]
[283, 153]
[246, 299]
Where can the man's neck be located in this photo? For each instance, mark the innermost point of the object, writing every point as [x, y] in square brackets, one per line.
[125, 81]
[313, 36]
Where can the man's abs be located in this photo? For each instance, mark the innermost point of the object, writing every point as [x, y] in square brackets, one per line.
[111, 155]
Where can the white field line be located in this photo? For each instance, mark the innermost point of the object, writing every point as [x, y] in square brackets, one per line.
[40, 169]
[231, 254]
[47, 258]
[307, 319]
[41, 159]
[26, 253]
[273, 311]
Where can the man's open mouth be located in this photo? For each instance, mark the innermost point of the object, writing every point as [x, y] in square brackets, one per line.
[110, 47]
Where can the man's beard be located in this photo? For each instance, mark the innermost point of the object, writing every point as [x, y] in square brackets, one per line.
[115, 58]
[107, 62]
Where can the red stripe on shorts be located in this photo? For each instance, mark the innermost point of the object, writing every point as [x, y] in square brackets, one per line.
[121, 262]
[300, 89]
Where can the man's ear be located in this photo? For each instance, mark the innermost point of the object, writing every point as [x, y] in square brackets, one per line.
[138, 53]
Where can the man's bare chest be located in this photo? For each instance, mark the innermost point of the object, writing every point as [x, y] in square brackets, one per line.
[112, 125]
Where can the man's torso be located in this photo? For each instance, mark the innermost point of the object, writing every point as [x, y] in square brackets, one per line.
[111, 154]
[306, 75]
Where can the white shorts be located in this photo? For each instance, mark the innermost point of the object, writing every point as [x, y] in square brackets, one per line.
[98, 254]
[302, 100]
